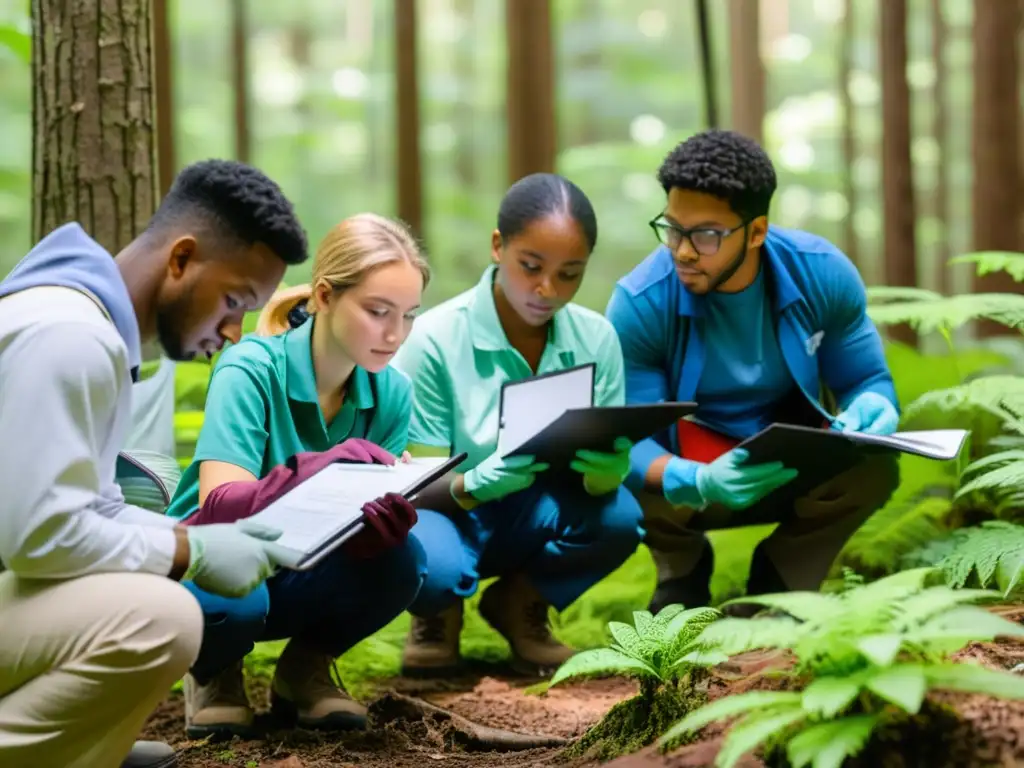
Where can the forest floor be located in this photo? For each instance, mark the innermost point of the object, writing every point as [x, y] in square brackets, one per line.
[965, 731]
[405, 733]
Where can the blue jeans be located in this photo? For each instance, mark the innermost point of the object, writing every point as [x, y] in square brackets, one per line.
[562, 539]
[330, 607]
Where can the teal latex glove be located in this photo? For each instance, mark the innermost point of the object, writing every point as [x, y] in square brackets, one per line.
[496, 477]
[603, 472]
[726, 481]
[230, 559]
[870, 413]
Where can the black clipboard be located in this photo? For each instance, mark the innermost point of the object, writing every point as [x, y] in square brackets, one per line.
[354, 525]
[597, 428]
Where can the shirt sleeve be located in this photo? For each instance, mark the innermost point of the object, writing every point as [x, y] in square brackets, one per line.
[610, 387]
[52, 478]
[431, 420]
[398, 410]
[645, 377]
[235, 419]
[113, 505]
[852, 358]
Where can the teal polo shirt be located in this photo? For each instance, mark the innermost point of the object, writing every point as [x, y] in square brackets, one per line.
[458, 356]
[262, 408]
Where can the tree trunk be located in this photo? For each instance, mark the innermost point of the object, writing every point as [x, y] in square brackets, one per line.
[409, 161]
[93, 137]
[849, 141]
[532, 143]
[900, 249]
[940, 133]
[240, 79]
[747, 71]
[996, 138]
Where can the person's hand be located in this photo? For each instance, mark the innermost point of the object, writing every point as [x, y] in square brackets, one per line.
[869, 413]
[406, 457]
[496, 477]
[387, 522]
[230, 559]
[603, 472]
[726, 481]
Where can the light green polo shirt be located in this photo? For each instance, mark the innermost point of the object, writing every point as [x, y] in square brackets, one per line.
[458, 356]
[262, 408]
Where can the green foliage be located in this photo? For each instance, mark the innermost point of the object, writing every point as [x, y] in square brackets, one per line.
[986, 262]
[660, 648]
[859, 652]
[996, 479]
[17, 41]
[992, 553]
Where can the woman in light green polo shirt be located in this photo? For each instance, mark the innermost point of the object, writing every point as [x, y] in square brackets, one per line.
[309, 389]
[549, 537]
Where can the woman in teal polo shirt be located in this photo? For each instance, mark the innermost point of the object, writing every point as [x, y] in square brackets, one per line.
[549, 537]
[271, 397]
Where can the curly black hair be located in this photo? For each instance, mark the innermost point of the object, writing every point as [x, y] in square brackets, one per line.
[725, 164]
[236, 202]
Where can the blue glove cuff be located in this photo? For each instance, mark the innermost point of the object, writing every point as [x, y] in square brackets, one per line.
[679, 483]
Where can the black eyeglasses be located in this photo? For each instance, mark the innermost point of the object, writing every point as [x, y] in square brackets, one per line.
[705, 241]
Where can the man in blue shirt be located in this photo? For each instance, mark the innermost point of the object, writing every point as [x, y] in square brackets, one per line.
[757, 324]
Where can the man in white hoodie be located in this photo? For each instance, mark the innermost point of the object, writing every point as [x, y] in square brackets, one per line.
[96, 627]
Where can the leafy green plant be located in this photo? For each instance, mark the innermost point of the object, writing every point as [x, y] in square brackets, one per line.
[988, 554]
[665, 654]
[862, 655]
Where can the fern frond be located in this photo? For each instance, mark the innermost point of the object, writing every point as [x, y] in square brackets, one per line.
[974, 678]
[755, 729]
[999, 477]
[988, 406]
[827, 745]
[879, 294]
[602, 662]
[948, 313]
[986, 262]
[733, 635]
[993, 549]
[900, 527]
[730, 706]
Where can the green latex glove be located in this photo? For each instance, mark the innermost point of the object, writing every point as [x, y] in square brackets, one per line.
[727, 481]
[230, 559]
[496, 477]
[603, 472]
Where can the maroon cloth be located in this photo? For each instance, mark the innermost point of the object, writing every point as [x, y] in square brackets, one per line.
[388, 519]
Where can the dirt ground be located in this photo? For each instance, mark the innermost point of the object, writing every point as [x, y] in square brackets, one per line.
[984, 733]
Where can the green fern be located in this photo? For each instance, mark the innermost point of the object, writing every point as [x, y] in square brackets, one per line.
[992, 553]
[656, 648]
[989, 406]
[947, 313]
[986, 262]
[996, 479]
[863, 650]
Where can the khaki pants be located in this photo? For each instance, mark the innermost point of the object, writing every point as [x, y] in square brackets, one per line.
[812, 529]
[84, 662]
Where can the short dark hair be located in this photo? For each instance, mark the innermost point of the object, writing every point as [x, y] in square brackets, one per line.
[539, 195]
[237, 202]
[726, 165]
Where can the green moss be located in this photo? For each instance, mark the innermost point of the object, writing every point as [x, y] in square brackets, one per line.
[638, 722]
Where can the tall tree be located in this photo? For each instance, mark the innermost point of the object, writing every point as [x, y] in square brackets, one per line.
[93, 134]
[849, 142]
[940, 133]
[997, 190]
[532, 143]
[747, 71]
[900, 244]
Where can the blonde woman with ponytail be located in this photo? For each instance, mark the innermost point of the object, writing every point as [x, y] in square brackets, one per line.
[315, 375]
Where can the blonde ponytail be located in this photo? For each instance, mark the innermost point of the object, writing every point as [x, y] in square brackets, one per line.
[347, 254]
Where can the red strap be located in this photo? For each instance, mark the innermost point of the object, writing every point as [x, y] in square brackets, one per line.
[698, 443]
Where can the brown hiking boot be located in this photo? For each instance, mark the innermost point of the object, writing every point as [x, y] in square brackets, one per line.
[432, 647]
[219, 708]
[514, 608]
[304, 693]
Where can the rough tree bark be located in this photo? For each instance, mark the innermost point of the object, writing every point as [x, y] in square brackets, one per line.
[532, 142]
[93, 133]
[900, 250]
[940, 133]
[996, 138]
